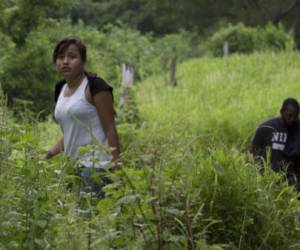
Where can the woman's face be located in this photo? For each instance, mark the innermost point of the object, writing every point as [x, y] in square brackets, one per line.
[69, 63]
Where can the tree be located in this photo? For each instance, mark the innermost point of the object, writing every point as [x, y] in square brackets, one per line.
[164, 16]
[20, 17]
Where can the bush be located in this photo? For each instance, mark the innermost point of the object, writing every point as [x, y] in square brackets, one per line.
[276, 38]
[240, 38]
[147, 54]
[6, 45]
[244, 39]
[183, 45]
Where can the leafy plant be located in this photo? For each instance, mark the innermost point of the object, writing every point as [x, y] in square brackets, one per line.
[243, 39]
[187, 180]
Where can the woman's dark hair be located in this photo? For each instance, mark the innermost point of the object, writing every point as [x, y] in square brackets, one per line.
[62, 45]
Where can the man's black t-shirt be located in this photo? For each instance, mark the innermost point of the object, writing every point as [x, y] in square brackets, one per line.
[273, 135]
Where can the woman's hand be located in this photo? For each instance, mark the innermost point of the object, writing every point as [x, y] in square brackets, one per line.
[57, 148]
[49, 154]
[116, 166]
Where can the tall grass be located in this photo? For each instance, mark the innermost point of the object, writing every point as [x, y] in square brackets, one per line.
[201, 131]
[187, 182]
[223, 99]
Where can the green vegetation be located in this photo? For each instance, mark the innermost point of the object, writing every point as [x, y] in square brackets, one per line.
[136, 32]
[242, 39]
[187, 182]
[28, 75]
[28, 72]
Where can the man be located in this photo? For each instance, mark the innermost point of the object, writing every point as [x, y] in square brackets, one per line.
[276, 138]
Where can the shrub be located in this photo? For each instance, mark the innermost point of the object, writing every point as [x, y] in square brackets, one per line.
[241, 39]
[148, 55]
[276, 38]
[183, 45]
[244, 39]
[6, 45]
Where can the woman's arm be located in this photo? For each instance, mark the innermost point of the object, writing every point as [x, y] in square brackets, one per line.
[55, 149]
[104, 105]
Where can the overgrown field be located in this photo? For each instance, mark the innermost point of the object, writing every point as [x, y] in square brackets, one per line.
[187, 182]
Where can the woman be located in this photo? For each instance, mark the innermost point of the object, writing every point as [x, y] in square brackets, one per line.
[84, 110]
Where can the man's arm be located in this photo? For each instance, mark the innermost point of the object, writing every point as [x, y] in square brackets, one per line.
[258, 147]
[258, 143]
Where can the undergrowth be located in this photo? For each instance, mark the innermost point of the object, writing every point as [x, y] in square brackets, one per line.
[187, 181]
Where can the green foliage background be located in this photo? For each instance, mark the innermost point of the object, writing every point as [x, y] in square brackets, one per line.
[242, 39]
[28, 72]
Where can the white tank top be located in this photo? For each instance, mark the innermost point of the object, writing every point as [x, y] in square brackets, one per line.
[81, 126]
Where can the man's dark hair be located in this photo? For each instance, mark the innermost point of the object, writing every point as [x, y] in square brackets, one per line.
[62, 45]
[289, 101]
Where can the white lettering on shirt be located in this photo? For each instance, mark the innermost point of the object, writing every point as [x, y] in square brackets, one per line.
[278, 146]
[279, 137]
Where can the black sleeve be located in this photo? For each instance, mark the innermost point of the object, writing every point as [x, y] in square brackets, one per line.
[261, 140]
[258, 140]
[97, 85]
[58, 88]
[292, 148]
[258, 146]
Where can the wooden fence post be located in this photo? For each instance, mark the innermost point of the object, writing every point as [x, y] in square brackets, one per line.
[173, 66]
[225, 49]
[127, 81]
[127, 75]
[128, 105]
